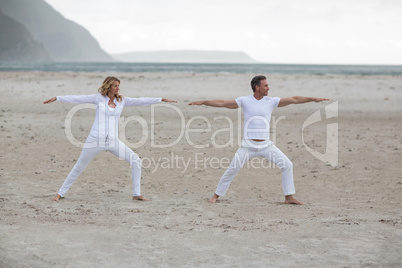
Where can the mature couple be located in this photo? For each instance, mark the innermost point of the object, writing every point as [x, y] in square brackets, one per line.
[257, 115]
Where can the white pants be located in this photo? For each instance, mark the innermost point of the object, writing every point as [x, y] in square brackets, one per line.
[250, 149]
[120, 150]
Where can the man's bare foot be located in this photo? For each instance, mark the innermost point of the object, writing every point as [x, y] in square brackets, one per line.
[56, 198]
[140, 198]
[213, 199]
[289, 199]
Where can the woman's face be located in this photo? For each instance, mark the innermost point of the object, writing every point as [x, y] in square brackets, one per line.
[114, 88]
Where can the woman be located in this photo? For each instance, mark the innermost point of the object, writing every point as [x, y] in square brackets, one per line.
[104, 132]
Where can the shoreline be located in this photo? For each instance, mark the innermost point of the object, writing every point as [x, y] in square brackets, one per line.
[209, 68]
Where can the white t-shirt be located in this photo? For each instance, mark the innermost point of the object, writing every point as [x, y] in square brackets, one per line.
[257, 116]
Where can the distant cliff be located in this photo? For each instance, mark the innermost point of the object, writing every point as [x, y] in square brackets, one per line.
[17, 44]
[185, 56]
[64, 40]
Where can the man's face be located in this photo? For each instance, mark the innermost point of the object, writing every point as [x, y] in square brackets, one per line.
[263, 88]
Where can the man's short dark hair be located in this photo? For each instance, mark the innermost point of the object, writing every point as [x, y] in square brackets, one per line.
[256, 81]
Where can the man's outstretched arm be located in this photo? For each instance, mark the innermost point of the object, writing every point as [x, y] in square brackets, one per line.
[298, 100]
[231, 104]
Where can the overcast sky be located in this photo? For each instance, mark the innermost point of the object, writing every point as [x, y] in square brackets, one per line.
[273, 31]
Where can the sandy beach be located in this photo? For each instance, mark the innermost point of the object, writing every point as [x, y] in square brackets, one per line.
[352, 216]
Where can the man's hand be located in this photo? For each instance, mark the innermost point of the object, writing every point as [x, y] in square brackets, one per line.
[320, 99]
[197, 103]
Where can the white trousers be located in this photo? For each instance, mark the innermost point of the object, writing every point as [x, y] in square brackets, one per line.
[250, 149]
[120, 150]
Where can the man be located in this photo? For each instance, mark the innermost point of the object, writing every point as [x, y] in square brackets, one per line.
[257, 115]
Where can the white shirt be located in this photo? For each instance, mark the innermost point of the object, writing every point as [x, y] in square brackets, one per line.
[257, 116]
[105, 129]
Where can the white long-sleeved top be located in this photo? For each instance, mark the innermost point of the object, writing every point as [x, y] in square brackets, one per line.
[105, 129]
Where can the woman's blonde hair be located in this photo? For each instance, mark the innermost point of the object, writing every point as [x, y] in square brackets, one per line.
[107, 83]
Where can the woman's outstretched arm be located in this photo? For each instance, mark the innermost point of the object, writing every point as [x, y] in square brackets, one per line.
[74, 99]
[144, 101]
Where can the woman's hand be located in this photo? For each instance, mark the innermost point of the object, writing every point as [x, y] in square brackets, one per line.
[197, 103]
[167, 100]
[50, 101]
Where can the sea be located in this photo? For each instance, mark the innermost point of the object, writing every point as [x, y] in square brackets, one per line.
[255, 68]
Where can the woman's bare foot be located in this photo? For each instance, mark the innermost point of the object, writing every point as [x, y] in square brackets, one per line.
[289, 199]
[213, 199]
[56, 198]
[140, 198]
